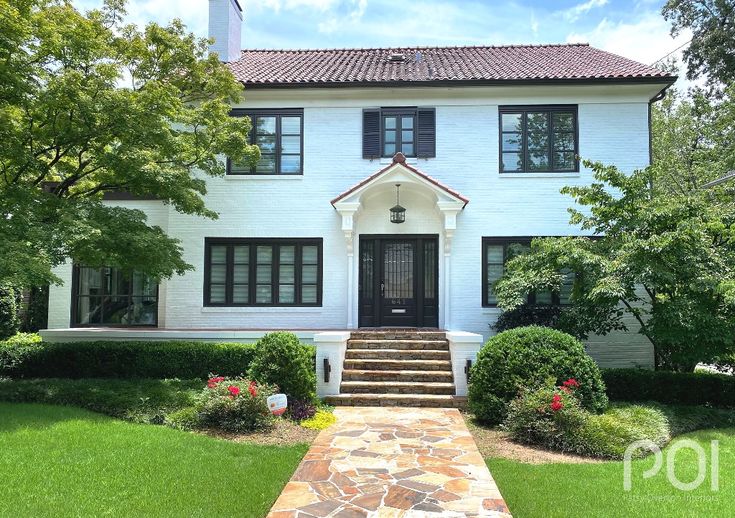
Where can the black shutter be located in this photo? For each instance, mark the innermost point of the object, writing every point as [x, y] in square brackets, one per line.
[371, 133]
[426, 133]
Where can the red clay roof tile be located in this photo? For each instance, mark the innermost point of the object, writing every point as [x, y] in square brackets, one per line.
[438, 64]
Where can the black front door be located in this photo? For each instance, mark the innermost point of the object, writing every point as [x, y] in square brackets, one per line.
[398, 281]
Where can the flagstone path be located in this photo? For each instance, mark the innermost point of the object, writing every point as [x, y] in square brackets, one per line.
[392, 462]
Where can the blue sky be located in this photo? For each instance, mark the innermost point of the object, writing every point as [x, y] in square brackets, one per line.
[633, 28]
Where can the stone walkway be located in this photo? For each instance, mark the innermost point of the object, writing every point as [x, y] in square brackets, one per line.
[392, 462]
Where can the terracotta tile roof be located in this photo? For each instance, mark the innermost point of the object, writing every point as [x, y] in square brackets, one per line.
[399, 158]
[513, 63]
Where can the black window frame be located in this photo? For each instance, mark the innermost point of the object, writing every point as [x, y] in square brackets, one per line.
[253, 243]
[74, 316]
[278, 113]
[505, 242]
[399, 113]
[524, 110]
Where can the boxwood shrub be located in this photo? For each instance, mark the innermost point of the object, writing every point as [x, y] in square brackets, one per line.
[526, 357]
[682, 388]
[281, 359]
[123, 359]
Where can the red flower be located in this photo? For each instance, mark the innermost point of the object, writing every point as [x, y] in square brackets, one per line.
[556, 406]
[251, 388]
[233, 390]
[212, 383]
[571, 383]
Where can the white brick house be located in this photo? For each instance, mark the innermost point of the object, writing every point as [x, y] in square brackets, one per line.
[298, 247]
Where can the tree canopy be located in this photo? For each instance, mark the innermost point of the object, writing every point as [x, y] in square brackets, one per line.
[90, 105]
[712, 49]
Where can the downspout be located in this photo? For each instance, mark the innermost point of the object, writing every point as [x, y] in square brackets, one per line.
[659, 96]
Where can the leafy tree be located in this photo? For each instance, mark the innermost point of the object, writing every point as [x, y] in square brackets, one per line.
[693, 140]
[712, 49]
[9, 321]
[667, 260]
[89, 105]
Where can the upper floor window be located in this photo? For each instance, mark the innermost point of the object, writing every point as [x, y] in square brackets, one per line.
[496, 251]
[387, 131]
[262, 272]
[538, 139]
[280, 136]
[111, 297]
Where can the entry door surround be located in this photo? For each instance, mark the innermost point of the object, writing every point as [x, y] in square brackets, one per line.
[398, 281]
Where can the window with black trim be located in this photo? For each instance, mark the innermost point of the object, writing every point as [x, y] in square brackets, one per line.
[407, 130]
[280, 136]
[111, 297]
[496, 251]
[262, 272]
[538, 139]
[399, 131]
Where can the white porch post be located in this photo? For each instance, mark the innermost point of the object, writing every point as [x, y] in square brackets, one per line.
[449, 210]
[347, 211]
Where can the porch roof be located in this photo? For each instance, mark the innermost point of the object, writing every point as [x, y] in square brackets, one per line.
[400, 160]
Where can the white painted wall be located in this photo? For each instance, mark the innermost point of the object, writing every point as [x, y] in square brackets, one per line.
[613, 127]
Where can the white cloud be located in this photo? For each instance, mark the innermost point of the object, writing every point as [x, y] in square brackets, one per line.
[534, 24]
[578, 10]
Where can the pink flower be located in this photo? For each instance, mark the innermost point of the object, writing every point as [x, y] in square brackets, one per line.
[233, 390]
[571, 383]
[213, 382]
[252, 389]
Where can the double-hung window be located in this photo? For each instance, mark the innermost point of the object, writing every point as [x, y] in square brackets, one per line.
[538, 139]
[399, 131]
[496, 251]
[262, 272]
[280, 136]
[111, 297]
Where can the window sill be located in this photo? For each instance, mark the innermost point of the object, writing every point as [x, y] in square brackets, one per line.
[241, 177]
[569, 174]
[262, 309]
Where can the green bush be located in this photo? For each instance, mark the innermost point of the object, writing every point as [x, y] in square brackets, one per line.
[681, 388]
[281, 360]
[9, 321]
[569, 428]
[133, 359]
[527, 357]
[16, 351]
[235, 405]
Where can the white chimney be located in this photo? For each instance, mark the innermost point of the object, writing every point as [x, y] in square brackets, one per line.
[225, 26]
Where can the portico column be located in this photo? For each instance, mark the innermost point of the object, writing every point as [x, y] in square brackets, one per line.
[449, 210]
[347, 211]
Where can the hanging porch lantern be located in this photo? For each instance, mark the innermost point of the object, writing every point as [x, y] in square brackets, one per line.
[398, 213]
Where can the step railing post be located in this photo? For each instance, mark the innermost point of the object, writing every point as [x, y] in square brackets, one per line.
[463, 348]
[330, 357]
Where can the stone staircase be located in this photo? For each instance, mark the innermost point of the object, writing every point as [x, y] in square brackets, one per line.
[397, 367]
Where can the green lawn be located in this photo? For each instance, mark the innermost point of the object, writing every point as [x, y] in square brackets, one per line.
[62, 461]
[562, 490]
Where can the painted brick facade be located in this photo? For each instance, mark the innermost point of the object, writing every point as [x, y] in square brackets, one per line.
[613, 128]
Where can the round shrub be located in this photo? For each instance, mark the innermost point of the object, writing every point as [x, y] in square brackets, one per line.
[234, 405]
[281, 360]
[526, 357]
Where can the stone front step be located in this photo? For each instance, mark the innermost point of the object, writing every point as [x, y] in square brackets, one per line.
[407, 375]
[397, 387]
[398, 365]
[398, 334]
[414, 400]
[395, 354]
[408, 345]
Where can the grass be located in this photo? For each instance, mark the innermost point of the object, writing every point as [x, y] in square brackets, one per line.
[558, 490]
[62, 461]
[138, 400]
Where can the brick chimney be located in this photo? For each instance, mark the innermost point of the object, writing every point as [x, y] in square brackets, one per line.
[225, 26]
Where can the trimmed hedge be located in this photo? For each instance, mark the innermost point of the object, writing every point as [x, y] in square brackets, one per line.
[681, 388]
[134, 359]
